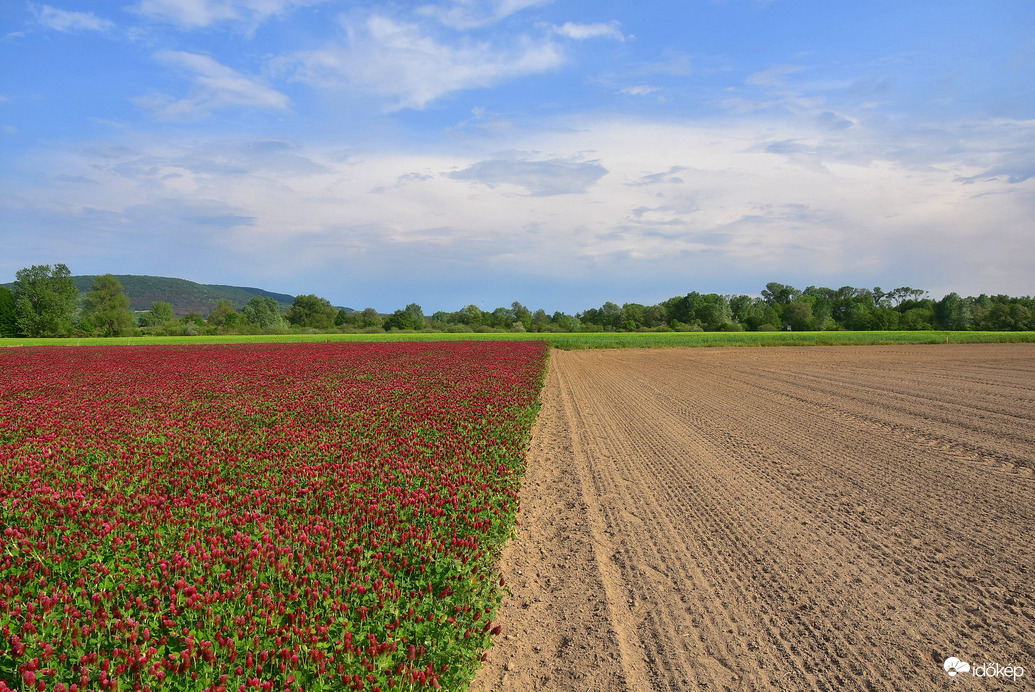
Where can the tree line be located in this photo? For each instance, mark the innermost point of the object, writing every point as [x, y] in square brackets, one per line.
[46, 303]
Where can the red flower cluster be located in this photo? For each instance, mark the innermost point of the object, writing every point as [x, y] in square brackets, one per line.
[260, 517]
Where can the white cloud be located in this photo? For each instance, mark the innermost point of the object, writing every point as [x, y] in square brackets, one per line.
[470, 14]
[670, 63]
[401, 62]
[750, 196]
[773, 76]
[581, 32]
[639, 90]
[194, 14]
[64, 20]
[215, 86]
[541, 178]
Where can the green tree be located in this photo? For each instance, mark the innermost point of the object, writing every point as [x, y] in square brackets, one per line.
[192, 324]
[903, 293]
[522, 314]
[161, 313]
[566, 322]
[310, 311]
[411, 318]
[224, 308]
[45, 300]
[859, 317]
[951, 313]
[500, 318]
[683, 309]
[822, 312]
[590, 318]
[232, 323]
[1000, 316]
[1022, 316]
[754, 313]
[916, 319]
[885, 318]
[741, 307]
[345, 319]
[8, 314]
[106, 307]
[714, 312]
[653, 316]
[779, 294]
[263, 312]
[610, 316]
[632, 317]
[798, 314]
[370, 319]
[540, 320]
[470, 314]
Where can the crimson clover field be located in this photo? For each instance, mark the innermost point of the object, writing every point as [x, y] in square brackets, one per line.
[264, 517]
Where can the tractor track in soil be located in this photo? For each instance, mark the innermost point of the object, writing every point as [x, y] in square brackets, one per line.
[839, 518]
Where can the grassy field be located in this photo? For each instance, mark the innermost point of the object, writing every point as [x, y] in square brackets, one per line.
[581, 340]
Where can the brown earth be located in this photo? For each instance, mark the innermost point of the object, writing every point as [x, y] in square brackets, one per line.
[781, 518]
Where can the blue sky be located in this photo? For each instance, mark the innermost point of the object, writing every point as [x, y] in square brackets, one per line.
[557, 153]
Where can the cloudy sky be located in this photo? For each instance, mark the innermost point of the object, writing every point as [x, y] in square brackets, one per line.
[559, 153]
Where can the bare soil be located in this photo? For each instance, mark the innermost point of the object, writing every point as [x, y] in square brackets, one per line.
[796, 518]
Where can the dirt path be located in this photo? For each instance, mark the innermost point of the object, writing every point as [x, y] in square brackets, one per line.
[797, 519]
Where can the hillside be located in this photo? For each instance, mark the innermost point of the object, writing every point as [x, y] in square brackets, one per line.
[184, 296]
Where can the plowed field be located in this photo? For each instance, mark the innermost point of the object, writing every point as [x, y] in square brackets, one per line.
[794, 518]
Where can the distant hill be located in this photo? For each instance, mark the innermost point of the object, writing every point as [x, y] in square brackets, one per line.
[184, 296]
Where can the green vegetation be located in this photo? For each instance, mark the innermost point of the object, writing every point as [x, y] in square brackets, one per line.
[45, 301]
[46, 304]
[160, 314]
[574, 341]
[312, 312]
[8, 314]
[106, 308]
[185, 296]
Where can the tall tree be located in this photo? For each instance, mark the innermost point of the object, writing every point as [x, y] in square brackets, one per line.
[411, 317]
[224, 308]
[779, 294]
[45, 300]
[370, 318]
[540, 320]
[264, 312]
[632, 316]
[312, 311]
[160, 313]
[106, 307]
[714, 311]
[798, 314]
[952, 313]
[470, 314]
[522, 314]
[8, 314]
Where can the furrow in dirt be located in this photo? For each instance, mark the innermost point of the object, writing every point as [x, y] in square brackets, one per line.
[775, 518]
